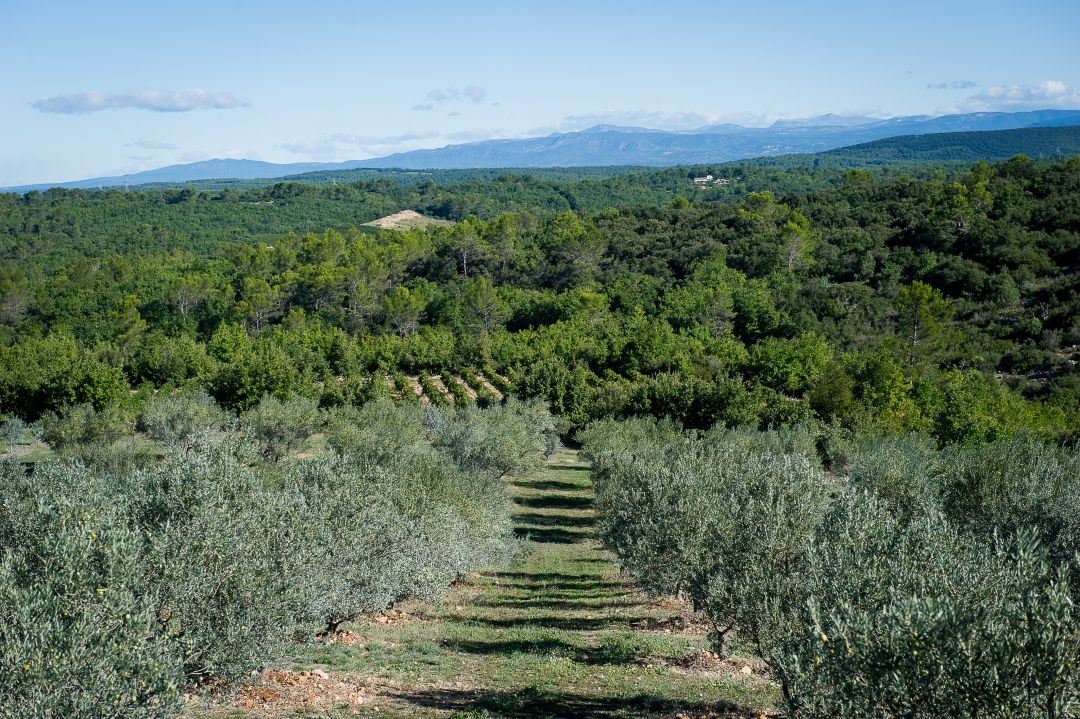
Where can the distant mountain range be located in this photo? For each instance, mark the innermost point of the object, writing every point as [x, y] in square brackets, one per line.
[607, 145]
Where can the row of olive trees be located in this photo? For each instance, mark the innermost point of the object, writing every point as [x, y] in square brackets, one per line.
[909, 581]
[125, 583]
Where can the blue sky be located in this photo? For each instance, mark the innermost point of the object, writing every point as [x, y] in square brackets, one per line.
[113, 87]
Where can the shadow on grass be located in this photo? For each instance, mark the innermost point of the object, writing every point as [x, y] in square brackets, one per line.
[553, 485]
[569, 624]
[597, 588]
[538, 577]
[565, 604]
[556, 501]
[531, 702]
[551, 535]
[548, 520]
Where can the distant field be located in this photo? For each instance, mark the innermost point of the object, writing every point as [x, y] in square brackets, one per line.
[406, 220]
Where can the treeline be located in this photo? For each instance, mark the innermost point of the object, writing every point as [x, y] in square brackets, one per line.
[132, 574]
[948, 306]
[47, 229]
[907, 581]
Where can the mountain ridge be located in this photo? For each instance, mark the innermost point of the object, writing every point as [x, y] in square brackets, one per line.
[611, 145]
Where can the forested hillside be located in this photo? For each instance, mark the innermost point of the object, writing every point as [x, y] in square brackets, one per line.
[943, 304]
[1038, 142]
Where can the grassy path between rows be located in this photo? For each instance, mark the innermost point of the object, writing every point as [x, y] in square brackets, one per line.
[560, 634]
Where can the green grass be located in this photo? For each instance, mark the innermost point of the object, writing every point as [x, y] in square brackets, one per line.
[559, 634]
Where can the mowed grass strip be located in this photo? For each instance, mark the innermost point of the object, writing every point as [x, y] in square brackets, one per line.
[560, 634]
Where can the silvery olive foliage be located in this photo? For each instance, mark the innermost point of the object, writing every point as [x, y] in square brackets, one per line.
[77, 637]
[123, 586]
[918, 582]
[282, 426]
[177, 418]
[82, 425]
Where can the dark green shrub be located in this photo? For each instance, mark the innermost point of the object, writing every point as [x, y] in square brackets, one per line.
[460, 394]
[501, 384]
[431, 391]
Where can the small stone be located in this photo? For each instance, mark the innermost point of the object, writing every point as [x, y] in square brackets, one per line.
[746, 670]
[320, 674]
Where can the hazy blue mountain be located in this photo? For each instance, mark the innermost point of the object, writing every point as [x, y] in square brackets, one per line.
[826, 120]
[607, 145]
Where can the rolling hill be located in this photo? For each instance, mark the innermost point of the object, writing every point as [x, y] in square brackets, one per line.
[1035, 142]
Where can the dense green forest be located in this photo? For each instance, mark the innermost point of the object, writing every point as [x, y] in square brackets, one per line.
[946, 304]
[954, 147]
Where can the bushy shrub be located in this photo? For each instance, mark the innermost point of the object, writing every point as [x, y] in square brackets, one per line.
[921, 582]
[937, 626]
[379, 430]
[223, 554]
[415, 498]
[77, 637]
[904, 470]
[705, 517]
[82, 425]
[511, 438]
[459, 393]
[1014, 483]
[14, 431]
[282, 427]
[175, 419]
[122, 587]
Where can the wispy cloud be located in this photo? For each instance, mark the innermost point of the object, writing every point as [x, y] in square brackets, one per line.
[342, 146]
[441, 96]
[954, 85]
[474, 93]
[151, 145]
[81, 103]
[637, 118]
[1052, 94]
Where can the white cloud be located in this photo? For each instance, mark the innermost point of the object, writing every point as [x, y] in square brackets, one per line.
[636, 118]
[471, 135]
[81, 103]
[152, 145]
[441, 96]
[654, 120]
[474, 93]
[234, 151]
[954, 85]
[347, 146]
[1047, 94]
